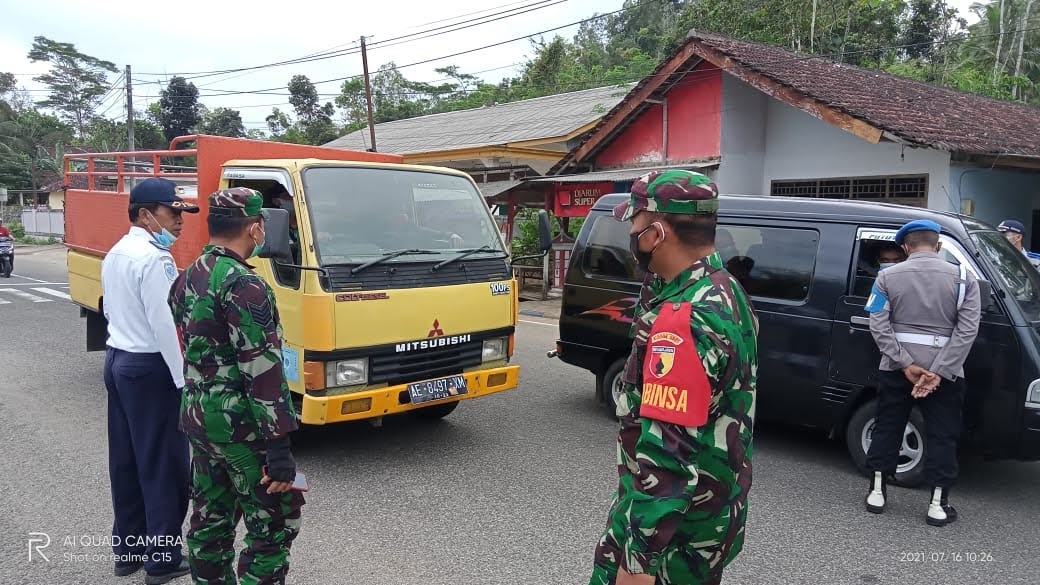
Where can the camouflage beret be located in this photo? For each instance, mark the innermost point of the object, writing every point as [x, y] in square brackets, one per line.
[237, 202]
[670, 191]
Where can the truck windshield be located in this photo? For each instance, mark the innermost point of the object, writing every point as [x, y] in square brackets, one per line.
[359, 213]
[1012, 271]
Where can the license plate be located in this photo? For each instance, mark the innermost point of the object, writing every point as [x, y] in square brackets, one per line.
[438, 389]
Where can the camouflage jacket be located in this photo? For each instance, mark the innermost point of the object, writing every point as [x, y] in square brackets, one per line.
[235, 387]
[683, 489]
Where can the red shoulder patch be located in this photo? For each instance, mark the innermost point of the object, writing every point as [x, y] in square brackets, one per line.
[676, 388]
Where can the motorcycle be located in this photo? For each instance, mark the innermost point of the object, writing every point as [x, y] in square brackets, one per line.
[6, 256]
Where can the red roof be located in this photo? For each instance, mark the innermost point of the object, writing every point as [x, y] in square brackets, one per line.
[868, 103]
[913, 110]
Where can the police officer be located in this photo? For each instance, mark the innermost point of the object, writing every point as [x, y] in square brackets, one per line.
[236, 408]
[924, 316]
[144, 371]
[687, 409]
[1014, 231]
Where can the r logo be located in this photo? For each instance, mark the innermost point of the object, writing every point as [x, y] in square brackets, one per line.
[37, 542]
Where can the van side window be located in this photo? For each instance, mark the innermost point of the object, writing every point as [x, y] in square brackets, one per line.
[606, 252]
[769, 262]
[873, 254]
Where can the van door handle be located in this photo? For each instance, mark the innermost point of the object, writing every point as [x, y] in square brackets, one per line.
[857, 320]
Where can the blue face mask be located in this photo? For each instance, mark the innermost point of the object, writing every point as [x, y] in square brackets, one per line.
[163, 238]
[885, 265]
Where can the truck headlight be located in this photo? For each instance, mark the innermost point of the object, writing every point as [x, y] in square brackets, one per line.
[494, 349]
[346, 372]
[1033, 395]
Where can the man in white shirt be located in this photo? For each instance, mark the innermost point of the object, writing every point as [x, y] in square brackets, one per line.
[144, 372]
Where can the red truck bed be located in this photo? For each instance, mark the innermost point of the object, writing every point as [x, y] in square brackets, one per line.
[97, 198]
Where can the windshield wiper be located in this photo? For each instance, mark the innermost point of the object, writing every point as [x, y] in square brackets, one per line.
[464, 254]
[390, 256]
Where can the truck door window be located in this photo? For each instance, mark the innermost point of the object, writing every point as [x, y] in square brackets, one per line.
[606, 252]
[770, 262]
[276, 195]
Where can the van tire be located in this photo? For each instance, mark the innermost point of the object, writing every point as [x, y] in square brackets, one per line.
[607, 383]
[862, 421]
[435, 412]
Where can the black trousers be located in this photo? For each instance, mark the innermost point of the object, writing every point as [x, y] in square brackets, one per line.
[942, 420]
[148, 461]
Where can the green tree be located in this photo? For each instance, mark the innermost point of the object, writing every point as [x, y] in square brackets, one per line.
[77, 81]
[106, 135]
[179, 112]
[313, 119]
[223, 122]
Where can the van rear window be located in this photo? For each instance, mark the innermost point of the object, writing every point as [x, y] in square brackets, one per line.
[606, 253]
[774, 263]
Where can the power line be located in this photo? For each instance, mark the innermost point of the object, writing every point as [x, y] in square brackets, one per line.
[332, 54]
[425, 61]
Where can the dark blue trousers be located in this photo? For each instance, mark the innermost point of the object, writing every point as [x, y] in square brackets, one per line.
[148, 461]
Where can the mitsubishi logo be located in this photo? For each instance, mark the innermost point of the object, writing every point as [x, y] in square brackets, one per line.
[436, 331]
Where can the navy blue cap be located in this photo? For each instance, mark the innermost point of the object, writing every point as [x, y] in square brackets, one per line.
[1010, 225]
[918, 225]
[162, 191]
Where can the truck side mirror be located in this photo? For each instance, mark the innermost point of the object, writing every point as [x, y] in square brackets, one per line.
[544, 231]
[276, 237]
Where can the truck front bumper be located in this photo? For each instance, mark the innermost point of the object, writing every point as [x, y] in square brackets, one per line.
[320, 410]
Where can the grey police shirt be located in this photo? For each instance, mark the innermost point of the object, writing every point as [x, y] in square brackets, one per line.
[920, 295]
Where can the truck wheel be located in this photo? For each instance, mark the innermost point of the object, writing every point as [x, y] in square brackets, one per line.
[910, 470]
[435, 412]
[610, 385]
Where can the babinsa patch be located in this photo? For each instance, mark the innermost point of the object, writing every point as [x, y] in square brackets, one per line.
[675, 386]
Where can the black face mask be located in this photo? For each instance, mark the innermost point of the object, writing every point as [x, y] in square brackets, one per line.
[642, 258]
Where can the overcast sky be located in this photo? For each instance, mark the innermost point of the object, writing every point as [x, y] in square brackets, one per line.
[162, 39]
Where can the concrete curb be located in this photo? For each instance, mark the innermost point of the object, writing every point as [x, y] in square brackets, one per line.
[30, 249]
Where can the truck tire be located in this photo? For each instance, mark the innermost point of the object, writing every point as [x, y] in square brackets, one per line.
[610, 387]
[435, 412]
[910, 472]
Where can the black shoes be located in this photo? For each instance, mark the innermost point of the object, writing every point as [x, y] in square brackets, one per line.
[180, 571]
[127, 570]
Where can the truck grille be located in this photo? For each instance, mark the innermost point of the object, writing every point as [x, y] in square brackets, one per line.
[399, 368]
[415, 275]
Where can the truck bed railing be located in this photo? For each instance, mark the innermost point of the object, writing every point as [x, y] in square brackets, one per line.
[117, 171]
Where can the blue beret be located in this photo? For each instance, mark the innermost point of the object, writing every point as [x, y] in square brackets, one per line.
[918, 225]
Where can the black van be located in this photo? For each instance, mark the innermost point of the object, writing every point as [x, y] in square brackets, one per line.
[808, 265]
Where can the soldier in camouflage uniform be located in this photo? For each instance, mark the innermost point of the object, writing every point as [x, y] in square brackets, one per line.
[688, 406]
[236, 408]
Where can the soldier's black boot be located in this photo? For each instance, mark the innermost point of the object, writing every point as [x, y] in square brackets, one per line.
[878, 493]
[940, 512]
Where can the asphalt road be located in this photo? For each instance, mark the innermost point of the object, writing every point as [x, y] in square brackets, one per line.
[509, 489]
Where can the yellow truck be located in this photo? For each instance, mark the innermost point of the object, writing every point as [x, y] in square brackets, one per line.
[393, 282]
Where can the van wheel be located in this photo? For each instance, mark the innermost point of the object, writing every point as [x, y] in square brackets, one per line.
[910, 470]
[435, 412]
[610, 385]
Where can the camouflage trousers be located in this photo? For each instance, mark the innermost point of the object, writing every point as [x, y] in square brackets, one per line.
[226, 488]
[682, 564]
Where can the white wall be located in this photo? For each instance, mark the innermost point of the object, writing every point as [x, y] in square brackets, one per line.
[800, 146]
[999, 194]
[743, 140]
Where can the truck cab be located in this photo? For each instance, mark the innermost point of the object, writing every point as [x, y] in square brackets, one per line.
[395, 290]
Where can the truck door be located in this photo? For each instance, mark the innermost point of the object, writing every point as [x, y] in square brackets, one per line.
[285, 282]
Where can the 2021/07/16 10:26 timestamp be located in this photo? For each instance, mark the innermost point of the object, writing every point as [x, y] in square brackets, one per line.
[943, 556]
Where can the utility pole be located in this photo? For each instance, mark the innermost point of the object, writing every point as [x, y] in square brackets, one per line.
[129, 111]
[368, 95]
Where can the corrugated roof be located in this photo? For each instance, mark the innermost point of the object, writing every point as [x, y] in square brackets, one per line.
[533, 119]
[492, 188]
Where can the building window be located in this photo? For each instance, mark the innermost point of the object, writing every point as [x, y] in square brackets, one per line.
[907, 189]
